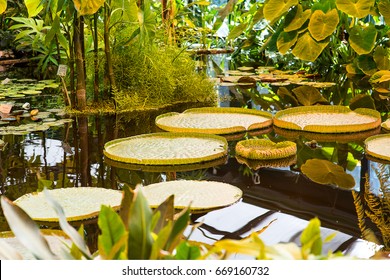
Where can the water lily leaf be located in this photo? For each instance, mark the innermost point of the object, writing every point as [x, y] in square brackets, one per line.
[355, 8]
[362, 101]
[363, 38]
[384, 9]
[274, 9]
[307, 48]
[286, 40]
[300, 17]
[367, 64]
[88, 7]
[322, 25]
[382, 57]
[308, 95]
[326, 172]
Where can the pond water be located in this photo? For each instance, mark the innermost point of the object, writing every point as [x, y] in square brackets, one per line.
[71, 155]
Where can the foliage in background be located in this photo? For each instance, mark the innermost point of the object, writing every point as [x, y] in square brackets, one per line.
[138, 232]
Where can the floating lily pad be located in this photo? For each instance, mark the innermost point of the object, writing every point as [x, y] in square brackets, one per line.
[166, 148]
[78, 203]
[327, 119]
[326, 172]
[378, 146]
[201, 196]
[263, 149]
[212, 120]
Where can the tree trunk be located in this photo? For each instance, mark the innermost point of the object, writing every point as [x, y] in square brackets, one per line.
[96, 59]
[107, 50]
[81, 92]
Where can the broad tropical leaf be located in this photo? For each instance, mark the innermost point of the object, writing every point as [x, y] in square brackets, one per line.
[299, 19]
[382, 58]
[3, 6]
[308, 95]
[355, 8]
[367, 64]
[33, 7]
[322, 24]
[88, 7]
[311, 238]
[326, 172]
[274, 9]
[307, 48]
[237, 30]
[380, 77]
[362, 101]
[286, 40]
[362, 39]
[384, 9]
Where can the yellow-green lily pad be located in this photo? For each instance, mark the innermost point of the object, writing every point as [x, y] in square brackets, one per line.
[326, 172]
[378, 146]
[201, 196]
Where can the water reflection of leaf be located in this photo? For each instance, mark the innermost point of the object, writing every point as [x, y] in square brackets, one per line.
[326, 172]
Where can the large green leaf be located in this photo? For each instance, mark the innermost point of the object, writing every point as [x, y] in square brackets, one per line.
[311, 238]
[26, 230]
[326, 172]
[362, 38]
[112, 233]
[286, 40]
[308, 95]
[88, 7]
[380, 77]
[140, 238]
[322, 24]
[274, 9]
[33, 7]
[355, 8]
[367, 64]
[307, 48]
[299, 18]
[382, 58]
[384, 9]
[237, 30]
[3, 6]
[362, 101]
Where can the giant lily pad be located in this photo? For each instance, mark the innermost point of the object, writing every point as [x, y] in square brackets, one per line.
[327, 119]
[166, 148]
[263, 149]
[201, 196]
[378, 146]
[79, 204]
[212, 120]
[325, 172]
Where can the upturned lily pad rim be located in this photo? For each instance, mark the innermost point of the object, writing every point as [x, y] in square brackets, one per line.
[255, 164]
[220, 110]
[326, 128]
[386, 125]
[373, 154]
[107, 195]
[263, 149]
[171, 135]
[195, 187]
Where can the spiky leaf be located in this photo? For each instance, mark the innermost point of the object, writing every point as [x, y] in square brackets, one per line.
[322, 24]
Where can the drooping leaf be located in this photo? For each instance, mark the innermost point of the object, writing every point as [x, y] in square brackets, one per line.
[237, 30]
[112, 231]
[326, 172]
[311, 238]
[88, 7]
[286, 40]
[322, 25]
[362, 101]
[3, 6]
[307, 48]
[55, 29]
[26, 230]
[382, 58]
[167, 212]
[308, 95]
[33, 7]
[285, 94]
[367, 64]
[384, 9]
[355, 8]
[180, 224]
[300, 17]
[363, 38]
[140, 238]
[274, 9]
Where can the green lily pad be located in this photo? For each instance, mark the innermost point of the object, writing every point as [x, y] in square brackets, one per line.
[166, 148]
[326, 172]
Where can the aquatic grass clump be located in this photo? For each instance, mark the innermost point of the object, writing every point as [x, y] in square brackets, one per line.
[154, 77]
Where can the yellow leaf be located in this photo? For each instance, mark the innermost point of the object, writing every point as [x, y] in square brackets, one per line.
[322, 24]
